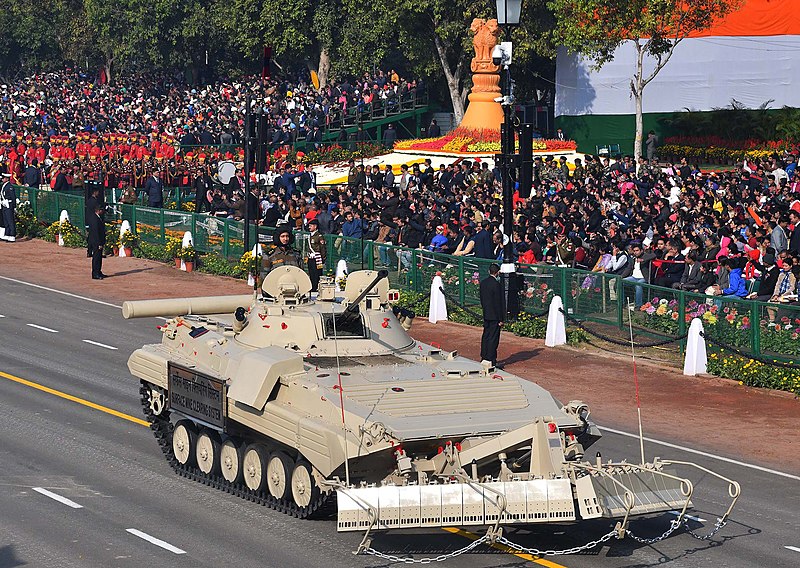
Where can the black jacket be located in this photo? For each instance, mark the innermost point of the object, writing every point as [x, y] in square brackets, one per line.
[96, 236]
[61, 182]
[492, 299]
[155, 191]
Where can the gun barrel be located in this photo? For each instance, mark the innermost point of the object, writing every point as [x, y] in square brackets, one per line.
[202, 305]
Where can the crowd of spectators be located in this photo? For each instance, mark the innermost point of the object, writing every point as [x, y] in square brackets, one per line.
[729, 233]
[671, 225]
[118, 134]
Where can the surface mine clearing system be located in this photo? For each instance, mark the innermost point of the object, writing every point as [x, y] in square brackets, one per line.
[314, 404]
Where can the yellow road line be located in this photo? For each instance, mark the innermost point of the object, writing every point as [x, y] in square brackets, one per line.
[73, 398]
[504, 548]
[141, 422]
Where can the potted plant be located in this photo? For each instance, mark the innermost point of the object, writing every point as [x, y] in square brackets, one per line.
[127, 241]
[173, 248]
[249, 264]
[112, 239]
[187, 256]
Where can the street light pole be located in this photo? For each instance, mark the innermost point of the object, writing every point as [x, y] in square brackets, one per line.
[508, 14]
[248, 159]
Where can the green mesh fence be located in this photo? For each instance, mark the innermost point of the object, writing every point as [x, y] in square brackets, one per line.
[757, 328]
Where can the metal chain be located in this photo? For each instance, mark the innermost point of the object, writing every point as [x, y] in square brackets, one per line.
[441, 558]
[675, 524]
[516, 548]
[615, 341]
[717, 526]
[574, 550]
[732, 349]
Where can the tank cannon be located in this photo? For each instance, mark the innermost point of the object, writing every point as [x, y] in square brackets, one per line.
[288, 401]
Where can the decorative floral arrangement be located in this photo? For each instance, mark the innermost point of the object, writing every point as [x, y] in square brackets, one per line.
[112, 236]
[128, 239]
[248, 263]
[754, 373]
[342, 282]
[188, 253]
[477, 141]
[72, 236]
[173, 247]
[713, 149]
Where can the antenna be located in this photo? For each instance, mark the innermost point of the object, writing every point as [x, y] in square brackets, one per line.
[636, 383]
[341, 396]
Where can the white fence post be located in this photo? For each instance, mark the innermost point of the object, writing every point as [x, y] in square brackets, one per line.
[61, 218]
[188, 241]
[556, 324]
[437, 310]
[696, 361]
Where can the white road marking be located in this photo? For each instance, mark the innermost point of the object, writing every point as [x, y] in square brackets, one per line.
[2, 316]
[43, 328]
[704, 454]
[793, 548]
[156, 541]
[57, 497]
[697, 519]
[99, 344]
[60, 292]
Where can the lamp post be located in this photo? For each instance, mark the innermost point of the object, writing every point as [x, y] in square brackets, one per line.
[508, 14]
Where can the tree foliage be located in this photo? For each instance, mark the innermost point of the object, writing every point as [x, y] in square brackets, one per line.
[420, 38]
[596, 28]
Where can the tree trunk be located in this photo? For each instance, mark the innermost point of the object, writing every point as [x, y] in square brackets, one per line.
[637, 139]
[453, 79]
[324, 68]
[107, 68]
[637, 88]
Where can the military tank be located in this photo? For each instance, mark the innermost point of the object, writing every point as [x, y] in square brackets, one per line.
[289, 400]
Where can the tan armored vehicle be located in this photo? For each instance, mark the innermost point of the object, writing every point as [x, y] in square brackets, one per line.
[288, 400]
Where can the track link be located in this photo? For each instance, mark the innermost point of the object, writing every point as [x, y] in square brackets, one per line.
[162, 429]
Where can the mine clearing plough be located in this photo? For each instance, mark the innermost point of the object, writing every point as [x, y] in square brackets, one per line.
[614, 490]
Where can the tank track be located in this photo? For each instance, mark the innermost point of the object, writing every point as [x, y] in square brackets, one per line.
[322, 507]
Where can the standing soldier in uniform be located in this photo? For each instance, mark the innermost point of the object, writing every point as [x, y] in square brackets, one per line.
[8, 204]
[316, 255]
[283, 254]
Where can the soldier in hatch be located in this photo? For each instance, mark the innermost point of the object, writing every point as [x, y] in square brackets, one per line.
[283, 254]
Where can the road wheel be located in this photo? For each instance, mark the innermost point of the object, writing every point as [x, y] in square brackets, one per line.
[207, 452]
[254, 467]
[279, 469]
[230, 461]
[304, 488]
[184, 438]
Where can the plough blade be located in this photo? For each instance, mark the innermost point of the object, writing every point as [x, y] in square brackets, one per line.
[455, 504]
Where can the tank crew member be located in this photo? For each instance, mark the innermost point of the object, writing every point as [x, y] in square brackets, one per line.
[316, 254]
[8, 205]
[493, 312]
[283, 254]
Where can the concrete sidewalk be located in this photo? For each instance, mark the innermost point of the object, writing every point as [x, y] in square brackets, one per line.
[709, 414]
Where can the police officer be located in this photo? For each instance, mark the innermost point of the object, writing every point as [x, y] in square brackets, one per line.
[8, 204]
[283, 254]
[316, 254]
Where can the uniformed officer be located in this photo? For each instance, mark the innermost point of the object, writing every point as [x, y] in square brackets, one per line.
[316, 254]
[283, 254]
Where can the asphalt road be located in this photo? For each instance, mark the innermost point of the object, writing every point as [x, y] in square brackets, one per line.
[80, 486]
